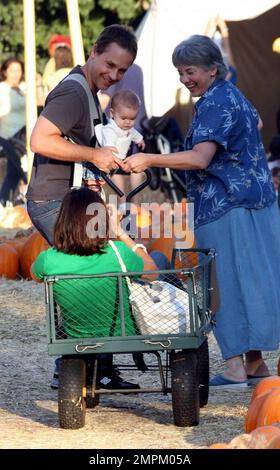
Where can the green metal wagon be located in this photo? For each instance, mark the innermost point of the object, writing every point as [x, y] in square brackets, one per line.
[99, 305]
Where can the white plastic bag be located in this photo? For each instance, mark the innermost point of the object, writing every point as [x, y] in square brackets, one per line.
[159, 308]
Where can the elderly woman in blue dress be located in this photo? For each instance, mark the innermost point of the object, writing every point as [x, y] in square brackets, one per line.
[235, 210]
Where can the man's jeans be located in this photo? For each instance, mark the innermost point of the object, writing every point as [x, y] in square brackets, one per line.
[44, 215]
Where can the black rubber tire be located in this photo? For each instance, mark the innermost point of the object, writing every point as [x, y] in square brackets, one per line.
[185, 392]
[91, 402]
[203, 373]
[71, 402]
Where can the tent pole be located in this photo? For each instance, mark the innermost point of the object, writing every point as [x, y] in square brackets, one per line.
[75, 32]
[30, 75]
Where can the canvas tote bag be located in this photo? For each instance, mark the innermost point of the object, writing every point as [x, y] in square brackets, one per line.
[158, 307]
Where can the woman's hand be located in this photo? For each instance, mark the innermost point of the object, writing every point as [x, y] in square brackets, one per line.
[138, 163]
[115, 217]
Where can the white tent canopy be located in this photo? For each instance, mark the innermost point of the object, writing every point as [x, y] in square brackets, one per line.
[166, 24]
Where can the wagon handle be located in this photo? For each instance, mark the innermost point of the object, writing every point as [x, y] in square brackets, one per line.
[80, 348]
[147, 341]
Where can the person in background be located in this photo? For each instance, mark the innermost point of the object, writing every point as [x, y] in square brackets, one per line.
[50, 67]
[274, 153]
[12, 123]
[274, 163]
[218, 31]
[275, 172]
[133, 81]
[274, 146]
[63, 65]
[230, 185]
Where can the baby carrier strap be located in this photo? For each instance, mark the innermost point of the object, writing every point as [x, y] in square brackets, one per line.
[95, 115]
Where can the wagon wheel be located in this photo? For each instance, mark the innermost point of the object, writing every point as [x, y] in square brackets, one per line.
[185, 391]
[91, 402]
[203, 373]
[71, 393]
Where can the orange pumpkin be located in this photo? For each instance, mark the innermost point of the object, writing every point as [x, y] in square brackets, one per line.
[274, 443]
[159, 226]
[219, 445]
[253, 412]
[241, 442]
[15, 217]
[175, 236]
[143, 217]
[263, 436]
[17, 244]
[32, 247]
[165, 245]
[270, 410]
[265, 385]
[8, 261]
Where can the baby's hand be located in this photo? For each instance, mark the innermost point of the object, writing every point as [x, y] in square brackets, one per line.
[141, 145]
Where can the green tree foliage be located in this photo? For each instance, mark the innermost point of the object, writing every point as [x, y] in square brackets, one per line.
[11, 29]
[51, 18]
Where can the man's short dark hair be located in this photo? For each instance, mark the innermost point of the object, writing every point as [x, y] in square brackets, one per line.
[121, 35]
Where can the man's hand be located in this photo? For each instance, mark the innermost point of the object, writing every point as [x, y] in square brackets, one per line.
[138, 163]
[105, 159]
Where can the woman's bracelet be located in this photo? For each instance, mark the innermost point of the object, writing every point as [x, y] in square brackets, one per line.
[139, 245]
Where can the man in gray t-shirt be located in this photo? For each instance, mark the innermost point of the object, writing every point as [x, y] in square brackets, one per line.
[67, 114]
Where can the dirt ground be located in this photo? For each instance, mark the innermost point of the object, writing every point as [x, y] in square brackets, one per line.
[28, 411]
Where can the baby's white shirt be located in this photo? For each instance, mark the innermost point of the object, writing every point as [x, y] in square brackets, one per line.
[114, 136]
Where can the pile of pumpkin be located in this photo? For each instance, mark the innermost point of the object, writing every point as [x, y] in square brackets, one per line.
[14, 217]
[262, 422]
[18, 254]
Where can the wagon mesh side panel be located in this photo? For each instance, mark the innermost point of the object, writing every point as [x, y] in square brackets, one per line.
[199, 263]
[90, 307]
[100, 306]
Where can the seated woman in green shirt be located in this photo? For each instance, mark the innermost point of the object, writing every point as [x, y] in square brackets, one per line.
[90, 306]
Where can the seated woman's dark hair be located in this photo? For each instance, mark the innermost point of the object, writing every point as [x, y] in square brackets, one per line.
[82, 225]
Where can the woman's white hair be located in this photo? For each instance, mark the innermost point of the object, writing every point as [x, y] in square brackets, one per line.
[200, 51]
